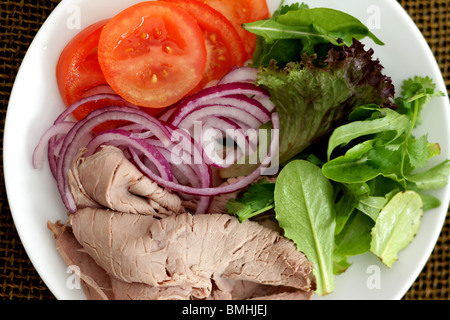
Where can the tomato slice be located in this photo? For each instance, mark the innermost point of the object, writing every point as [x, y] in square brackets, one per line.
[78, 70]
[239, 12]
[152, 53]
[224, 46]
[79, 75]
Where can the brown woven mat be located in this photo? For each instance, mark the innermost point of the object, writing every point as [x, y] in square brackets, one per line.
[19, 22]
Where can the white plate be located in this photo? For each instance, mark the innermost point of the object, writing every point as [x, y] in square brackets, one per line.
[35, 103]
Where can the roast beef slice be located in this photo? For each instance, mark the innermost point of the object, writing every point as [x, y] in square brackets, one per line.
[108, 179]
[95, 281]
[188, 251]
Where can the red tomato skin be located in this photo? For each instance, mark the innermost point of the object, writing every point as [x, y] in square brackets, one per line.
[78, 70]
[224, 46]
[79, 75]
[239, 12]
[152, 53]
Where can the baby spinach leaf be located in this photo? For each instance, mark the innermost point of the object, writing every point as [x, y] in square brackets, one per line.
[331, 23]
[434, 178]
[283, 51]
[355, 238]
[371, 206]
[304, 208]
[352, 167]
[311, 26]
[340, 264]
[344, 207]
[391, 124]
[396, 226]
[429, 202]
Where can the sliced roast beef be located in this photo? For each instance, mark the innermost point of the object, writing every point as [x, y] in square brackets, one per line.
[95, 281]
[218, 203]
[139, 291]
[188, 251]
[226, 289]
[108, 179]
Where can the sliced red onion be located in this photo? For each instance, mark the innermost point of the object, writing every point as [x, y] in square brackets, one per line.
[120, 137]
[244, 102]
[204, 171]
[267, 103]
[232, 107]
[54, 131]
[95, 98]
[205, 111]
[229, 131]
[54, 147]
[167, 113]
[240, 133]
[73, 139]
[214, 191]
[202, 97]
[242, 74]
[183, 171]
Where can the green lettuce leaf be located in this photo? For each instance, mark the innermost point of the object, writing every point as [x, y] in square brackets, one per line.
[258, 199]
[385, 145]
[311, 26]
[396, 226]
[305, 210]
[313, 100]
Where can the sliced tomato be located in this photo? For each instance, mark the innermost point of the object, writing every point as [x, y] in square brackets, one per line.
[239, 12]
[224, 47]
[152, 54]
[79, 75]
[78, 70]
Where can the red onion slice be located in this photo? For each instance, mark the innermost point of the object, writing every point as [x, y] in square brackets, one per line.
[167, 113]
[55, 130]
[120, 137]
[54, 147]
[242, 74]
[199, 98]
[94, 98]
[210, 192]
[74, 137]
[242, 143]
[205, 111]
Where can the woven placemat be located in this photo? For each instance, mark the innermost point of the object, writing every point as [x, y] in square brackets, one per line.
[19, 22]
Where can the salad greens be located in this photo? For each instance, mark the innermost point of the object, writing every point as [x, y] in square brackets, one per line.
[320, 89]
[353, 175]
[258, 199]
[396, 226]
[306, 218]
[311, 26]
